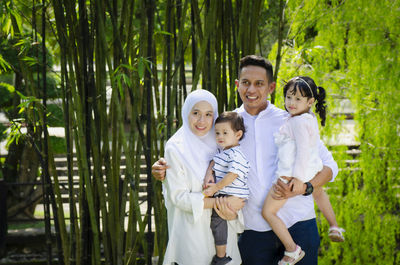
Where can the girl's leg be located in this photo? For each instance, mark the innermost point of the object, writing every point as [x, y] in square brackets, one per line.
[269, 212]
[322, 200]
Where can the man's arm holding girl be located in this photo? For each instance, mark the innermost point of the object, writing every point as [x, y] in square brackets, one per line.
[296, 187]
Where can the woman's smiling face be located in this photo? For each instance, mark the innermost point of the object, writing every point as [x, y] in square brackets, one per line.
[201, 118]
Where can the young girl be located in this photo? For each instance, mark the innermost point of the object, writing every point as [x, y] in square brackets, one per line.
[298, 157]
[231, 169]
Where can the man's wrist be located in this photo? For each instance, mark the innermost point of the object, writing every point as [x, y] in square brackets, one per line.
[308, 189]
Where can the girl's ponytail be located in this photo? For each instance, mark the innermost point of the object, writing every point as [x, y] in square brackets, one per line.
[320, 106]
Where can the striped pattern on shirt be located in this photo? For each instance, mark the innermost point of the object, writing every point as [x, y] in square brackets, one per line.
[232, 160]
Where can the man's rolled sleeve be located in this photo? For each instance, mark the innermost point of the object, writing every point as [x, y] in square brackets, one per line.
[327, 160]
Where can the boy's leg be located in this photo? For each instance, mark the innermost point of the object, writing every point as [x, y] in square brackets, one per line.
[219, 228]
[305, 234]
[325, 206]
[260, 248]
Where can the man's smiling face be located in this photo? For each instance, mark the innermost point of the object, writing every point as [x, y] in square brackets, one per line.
[254, 88]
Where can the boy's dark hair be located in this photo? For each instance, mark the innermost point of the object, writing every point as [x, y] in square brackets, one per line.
[234, 119]
[309, 89]
[257, 61]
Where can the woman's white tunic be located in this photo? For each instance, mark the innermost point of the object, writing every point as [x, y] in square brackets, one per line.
[190, 238]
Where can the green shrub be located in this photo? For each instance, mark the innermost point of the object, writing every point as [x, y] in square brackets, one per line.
[58, 145]
[55, 116]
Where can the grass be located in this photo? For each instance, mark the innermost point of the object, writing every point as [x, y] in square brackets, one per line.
[39, 214]
[25, 225]
[58, 144]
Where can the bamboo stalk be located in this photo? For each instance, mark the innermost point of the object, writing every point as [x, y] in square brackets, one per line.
[102, 59]
[148, 85]
[70, 249]
[169, 11]
[193, 33]
[281, 25]
[255, 10]
[45, 162]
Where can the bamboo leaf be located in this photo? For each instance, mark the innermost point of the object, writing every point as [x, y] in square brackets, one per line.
[4, 65]
[7, 27]
[141, 68]
[9, 87]
[161, 32]
[30, 60]
[17, 18]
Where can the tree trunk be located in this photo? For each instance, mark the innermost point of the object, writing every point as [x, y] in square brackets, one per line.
[22, 198]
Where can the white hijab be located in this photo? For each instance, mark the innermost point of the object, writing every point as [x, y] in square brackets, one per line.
[196, 151]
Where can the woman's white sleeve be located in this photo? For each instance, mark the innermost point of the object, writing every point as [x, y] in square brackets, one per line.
[178, 187]
[237, 224]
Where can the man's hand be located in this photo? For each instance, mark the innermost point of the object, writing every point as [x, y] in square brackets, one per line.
[235, 203]
[158, 169]
[298, 187]
[282, 190]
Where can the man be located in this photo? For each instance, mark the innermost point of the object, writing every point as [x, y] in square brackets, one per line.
[258, 244]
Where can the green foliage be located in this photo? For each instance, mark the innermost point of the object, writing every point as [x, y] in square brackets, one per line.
[6, 93]
[352, 51]
[4, 66]
[25, 49]
[14, 132]
[58, 144]
[3, 135]
[55, 116]
[25, 225]
[52, 86]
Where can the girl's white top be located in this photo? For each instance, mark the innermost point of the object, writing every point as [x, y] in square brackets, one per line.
[298, 151]
[190, 240]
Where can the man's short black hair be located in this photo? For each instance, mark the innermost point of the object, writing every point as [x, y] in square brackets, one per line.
[257, 61]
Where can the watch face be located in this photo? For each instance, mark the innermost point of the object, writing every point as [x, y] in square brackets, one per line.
[309, 188]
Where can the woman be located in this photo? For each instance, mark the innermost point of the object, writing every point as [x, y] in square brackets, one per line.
[188, 153]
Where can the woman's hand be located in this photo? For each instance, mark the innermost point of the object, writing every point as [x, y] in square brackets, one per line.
[209, 177]
[222, 208]
[158, 169]
[210, 190]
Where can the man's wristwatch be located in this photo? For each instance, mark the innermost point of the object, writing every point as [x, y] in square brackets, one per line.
[309, 189]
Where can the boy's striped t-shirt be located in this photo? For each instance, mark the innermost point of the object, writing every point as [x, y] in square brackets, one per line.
[232, 160]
